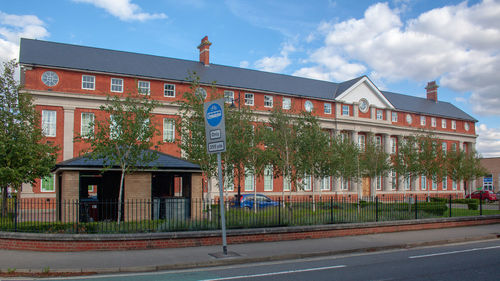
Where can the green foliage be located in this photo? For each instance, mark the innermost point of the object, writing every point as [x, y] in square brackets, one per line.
[435, 208]
[24, 154]
[191, 129]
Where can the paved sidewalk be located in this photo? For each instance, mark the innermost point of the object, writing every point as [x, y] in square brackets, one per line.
[162, 259]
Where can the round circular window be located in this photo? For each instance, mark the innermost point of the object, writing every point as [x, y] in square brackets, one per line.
[363, 105]
[308, 106]
[50, 78]
[408, 118]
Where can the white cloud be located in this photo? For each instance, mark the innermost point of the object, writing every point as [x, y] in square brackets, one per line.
[13, 27]
[244, 64]
[456, 44]
[276, 63]
[488, 141]
[124, 10]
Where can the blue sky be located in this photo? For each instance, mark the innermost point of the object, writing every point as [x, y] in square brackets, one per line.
[399, 44]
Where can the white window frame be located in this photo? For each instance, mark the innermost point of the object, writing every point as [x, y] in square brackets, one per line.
[444, 147]
[445, 183]
[144, 87]
[168, 130]
[454, 147]
[394, 117]
[170, 92]
[394, 142]
[229, 97]
[422, 120]
[344, 184]
[287, 103]
[407, 182]
[49, 123]
[327, 108]
[443, 123]
[229, 183]
[345, 110]
[116, 87]
[114, 130]
[434, 184]
[268, 178]
[249, 180]
[287, 184]
[454, 185]
[307, 183]
[433, 122]
[53, 178]
[453, 124]
[423, 182]
[268, 101]
[380, 114]
[394, 179]
[249, 99]
[378, 141]
[362, 142]
[86, 118]
[378, 182]
[325, 183]
[88, 82]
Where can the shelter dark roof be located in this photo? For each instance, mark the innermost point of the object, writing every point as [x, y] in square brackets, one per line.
[59, 55]
[163, 162]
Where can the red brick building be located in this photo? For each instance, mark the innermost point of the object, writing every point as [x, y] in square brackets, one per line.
[70, 82]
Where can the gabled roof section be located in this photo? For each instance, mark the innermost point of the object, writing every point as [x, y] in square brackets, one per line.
[425, 106]
[350, 90]
[163, 162]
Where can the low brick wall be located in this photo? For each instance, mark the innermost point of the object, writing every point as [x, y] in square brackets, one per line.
[89, 242]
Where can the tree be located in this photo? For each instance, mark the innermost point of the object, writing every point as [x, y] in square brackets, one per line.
[406, 160]
[374, 162]
[463, 166]
[311, 150]
[123, 138]
[280, 144]
[239, 139]
[24, 153]
[431, 157]
[344, 158]
[191, 129]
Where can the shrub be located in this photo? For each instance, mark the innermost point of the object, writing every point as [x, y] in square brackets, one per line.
[472, 205]
[434, 208]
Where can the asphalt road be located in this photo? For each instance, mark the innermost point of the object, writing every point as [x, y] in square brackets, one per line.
[466, 261]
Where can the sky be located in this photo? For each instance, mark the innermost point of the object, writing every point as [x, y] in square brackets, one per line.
[399, 44]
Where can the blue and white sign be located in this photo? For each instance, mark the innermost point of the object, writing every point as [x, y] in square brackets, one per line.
[215, 126]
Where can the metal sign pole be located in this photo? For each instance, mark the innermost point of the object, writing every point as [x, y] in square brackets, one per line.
[221, 203]
[215, 133]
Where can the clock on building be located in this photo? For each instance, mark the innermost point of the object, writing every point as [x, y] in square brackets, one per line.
[363, 105]
[309, 106]
[408, 118]
[50, 78]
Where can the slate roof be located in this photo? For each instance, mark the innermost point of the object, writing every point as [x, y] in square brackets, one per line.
[163, 162]
[51, 54]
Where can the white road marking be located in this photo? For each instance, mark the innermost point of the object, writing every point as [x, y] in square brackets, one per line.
[454, 252]
[276, 273]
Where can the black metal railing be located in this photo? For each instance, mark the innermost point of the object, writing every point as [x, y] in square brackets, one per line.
[182, 214]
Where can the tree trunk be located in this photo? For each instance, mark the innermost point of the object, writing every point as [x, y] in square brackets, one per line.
[120, 196]
[209, 198]
[4, 201]
[313, 183]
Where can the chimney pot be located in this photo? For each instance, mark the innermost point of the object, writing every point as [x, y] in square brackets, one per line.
[432, 91]
[204, 48]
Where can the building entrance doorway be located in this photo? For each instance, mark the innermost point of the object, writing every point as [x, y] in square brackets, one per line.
[365, 183]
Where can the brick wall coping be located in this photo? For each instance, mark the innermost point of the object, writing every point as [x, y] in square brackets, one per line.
[241, 232]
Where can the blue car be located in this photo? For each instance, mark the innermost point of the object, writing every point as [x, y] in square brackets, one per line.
[247, 201]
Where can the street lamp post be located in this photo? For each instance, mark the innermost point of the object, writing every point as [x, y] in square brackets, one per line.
[238, 197]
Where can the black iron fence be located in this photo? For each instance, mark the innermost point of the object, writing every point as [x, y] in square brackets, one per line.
[180, 214]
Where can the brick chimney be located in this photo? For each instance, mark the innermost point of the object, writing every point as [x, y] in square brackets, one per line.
[432, 92]
[204, 48]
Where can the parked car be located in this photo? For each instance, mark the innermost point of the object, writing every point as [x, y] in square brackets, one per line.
[486, 195]
[247, 201]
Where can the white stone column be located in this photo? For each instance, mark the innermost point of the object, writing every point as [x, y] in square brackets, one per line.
[355, 183]
[387, 149]
[69, 122]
